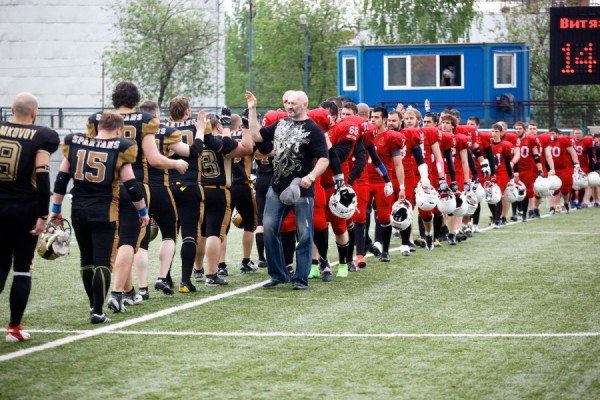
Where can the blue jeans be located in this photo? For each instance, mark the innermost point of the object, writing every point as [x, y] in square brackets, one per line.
[275, 212]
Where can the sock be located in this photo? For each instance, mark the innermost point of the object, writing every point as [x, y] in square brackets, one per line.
[260, 246]
[386, 236]
[221, 265]
[359, 238]
[378, 237]
[499, 211]
[19, 295]
[368, 240]
[476, 215]
[246, 260]
[288, 239]
[351, 233]
[87, 277]
[515, 207]
[492, 208]
[437, 225]
[101, 284]
[342, 252]
[188, 256]
[405, 235]
[421, 227]
[525, 206]
[321, 240]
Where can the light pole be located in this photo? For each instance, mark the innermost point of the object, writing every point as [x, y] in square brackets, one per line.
[304, 23]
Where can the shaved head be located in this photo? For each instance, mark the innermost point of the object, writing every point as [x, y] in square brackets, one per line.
[24, 104]
[297, 106]
[363, 110]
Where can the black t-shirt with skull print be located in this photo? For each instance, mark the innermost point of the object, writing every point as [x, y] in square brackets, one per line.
[298, 145]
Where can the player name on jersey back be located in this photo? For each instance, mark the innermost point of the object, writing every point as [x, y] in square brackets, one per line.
[91, 142]
[17, 132]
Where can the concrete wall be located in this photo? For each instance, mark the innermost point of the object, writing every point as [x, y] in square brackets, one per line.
[53, 49]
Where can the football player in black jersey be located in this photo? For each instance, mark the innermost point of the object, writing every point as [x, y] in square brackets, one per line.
[219, 150]
[186, 188]
[25, 151]
[97, 165]
[140, 128]
[162, 208]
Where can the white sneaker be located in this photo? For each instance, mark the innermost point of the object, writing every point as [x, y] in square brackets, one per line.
[476, 228]
[378, 246]
[405, 250]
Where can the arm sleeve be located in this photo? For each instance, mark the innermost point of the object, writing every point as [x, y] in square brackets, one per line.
[42, 182]
[591, 158]
[509, 170]
[450, 162]
[489, 154]
[196, 148]
[334, 162]
[418, 154]
[360, 161]
[472, 165]
[342, 149]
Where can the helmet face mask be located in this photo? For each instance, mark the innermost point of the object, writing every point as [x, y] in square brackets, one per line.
[343, 203]
[462, 207]
[447, 202]
[472, 202]
[493, 194]
[55, 240]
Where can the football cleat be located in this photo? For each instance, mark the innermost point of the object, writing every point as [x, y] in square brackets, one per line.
[429, 240]
[132, 298]
[163, 286]
[385, 257]
[100, 319]
[248, 267]
[360, 262]
[214, 280]
[352, 267]
[342, 271]
[144, 293]
[262, 264]
[55, 240]
[198, 274]
[185, 287]
[405, 250]
[314, 272]
[115, 303]
[15, 334]
[223, 271]
[290, 270]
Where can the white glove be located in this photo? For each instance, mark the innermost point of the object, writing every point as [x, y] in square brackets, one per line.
[388, 189]
[425, 182]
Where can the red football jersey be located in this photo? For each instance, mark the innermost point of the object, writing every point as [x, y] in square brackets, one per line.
[581, 148]
[346, 130]
[387, 144]
[558, 148]
[321, 117]
[526, 162]
[544, 140]
[430, 137]
[273, 116]
[502, 150]
[413, 137]
[512, 138]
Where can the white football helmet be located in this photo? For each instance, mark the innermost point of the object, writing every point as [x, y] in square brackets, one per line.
[343, 202]
[580, 180]
[472, 202]
[401, 216]
[555, 182]
[426, 199]
[493, 194]
[462, 207]
[511, 193]
[55, 240]
[541, 187]
[522, 190]
[479, 191]
[447, 202]
[594, 179]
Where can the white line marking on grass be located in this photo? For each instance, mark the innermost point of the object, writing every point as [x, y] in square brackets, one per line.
[551, 233]
[338, 335]
[124, 324]
[114, 327]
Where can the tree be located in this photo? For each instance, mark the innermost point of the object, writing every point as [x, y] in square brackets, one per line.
[423, 21]
[164, 47]
[279, 43]
[531, 24]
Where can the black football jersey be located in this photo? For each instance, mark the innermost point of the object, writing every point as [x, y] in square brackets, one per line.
[95, 166]
[165, 137]
[264, 163]
[242, 166]
[216, 168]
[137, 126]
[192, 175]
[18, 147]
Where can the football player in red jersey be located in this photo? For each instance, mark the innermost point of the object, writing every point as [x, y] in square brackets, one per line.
[584, 147]
[565, 162]
[515, 140]
[544, 141]
[389, 146]
[503, 150]
[530, 167]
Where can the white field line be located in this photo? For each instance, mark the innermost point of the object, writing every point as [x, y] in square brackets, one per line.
[79, 335]
[336, 335]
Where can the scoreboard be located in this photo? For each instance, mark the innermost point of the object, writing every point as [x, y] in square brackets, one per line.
[574, 45]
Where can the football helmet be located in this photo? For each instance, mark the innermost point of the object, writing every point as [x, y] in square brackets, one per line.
[541, 187]
[594, 179]
[511, 193]
[343, 202]
[580, 180]
[472, 202]
[236, 218]
[55, 240]
[153, 226]
[426, 199]
[555, 182]
[479, 191]
[447, 202]
[522, 190]
[493, 194]
[401, 216]
[462, 207]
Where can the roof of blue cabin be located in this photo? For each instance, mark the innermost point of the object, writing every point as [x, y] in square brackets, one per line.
[373, 46]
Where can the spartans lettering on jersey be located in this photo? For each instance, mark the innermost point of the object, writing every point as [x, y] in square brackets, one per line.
[17, 132]
[91, 142]
[126, 117]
